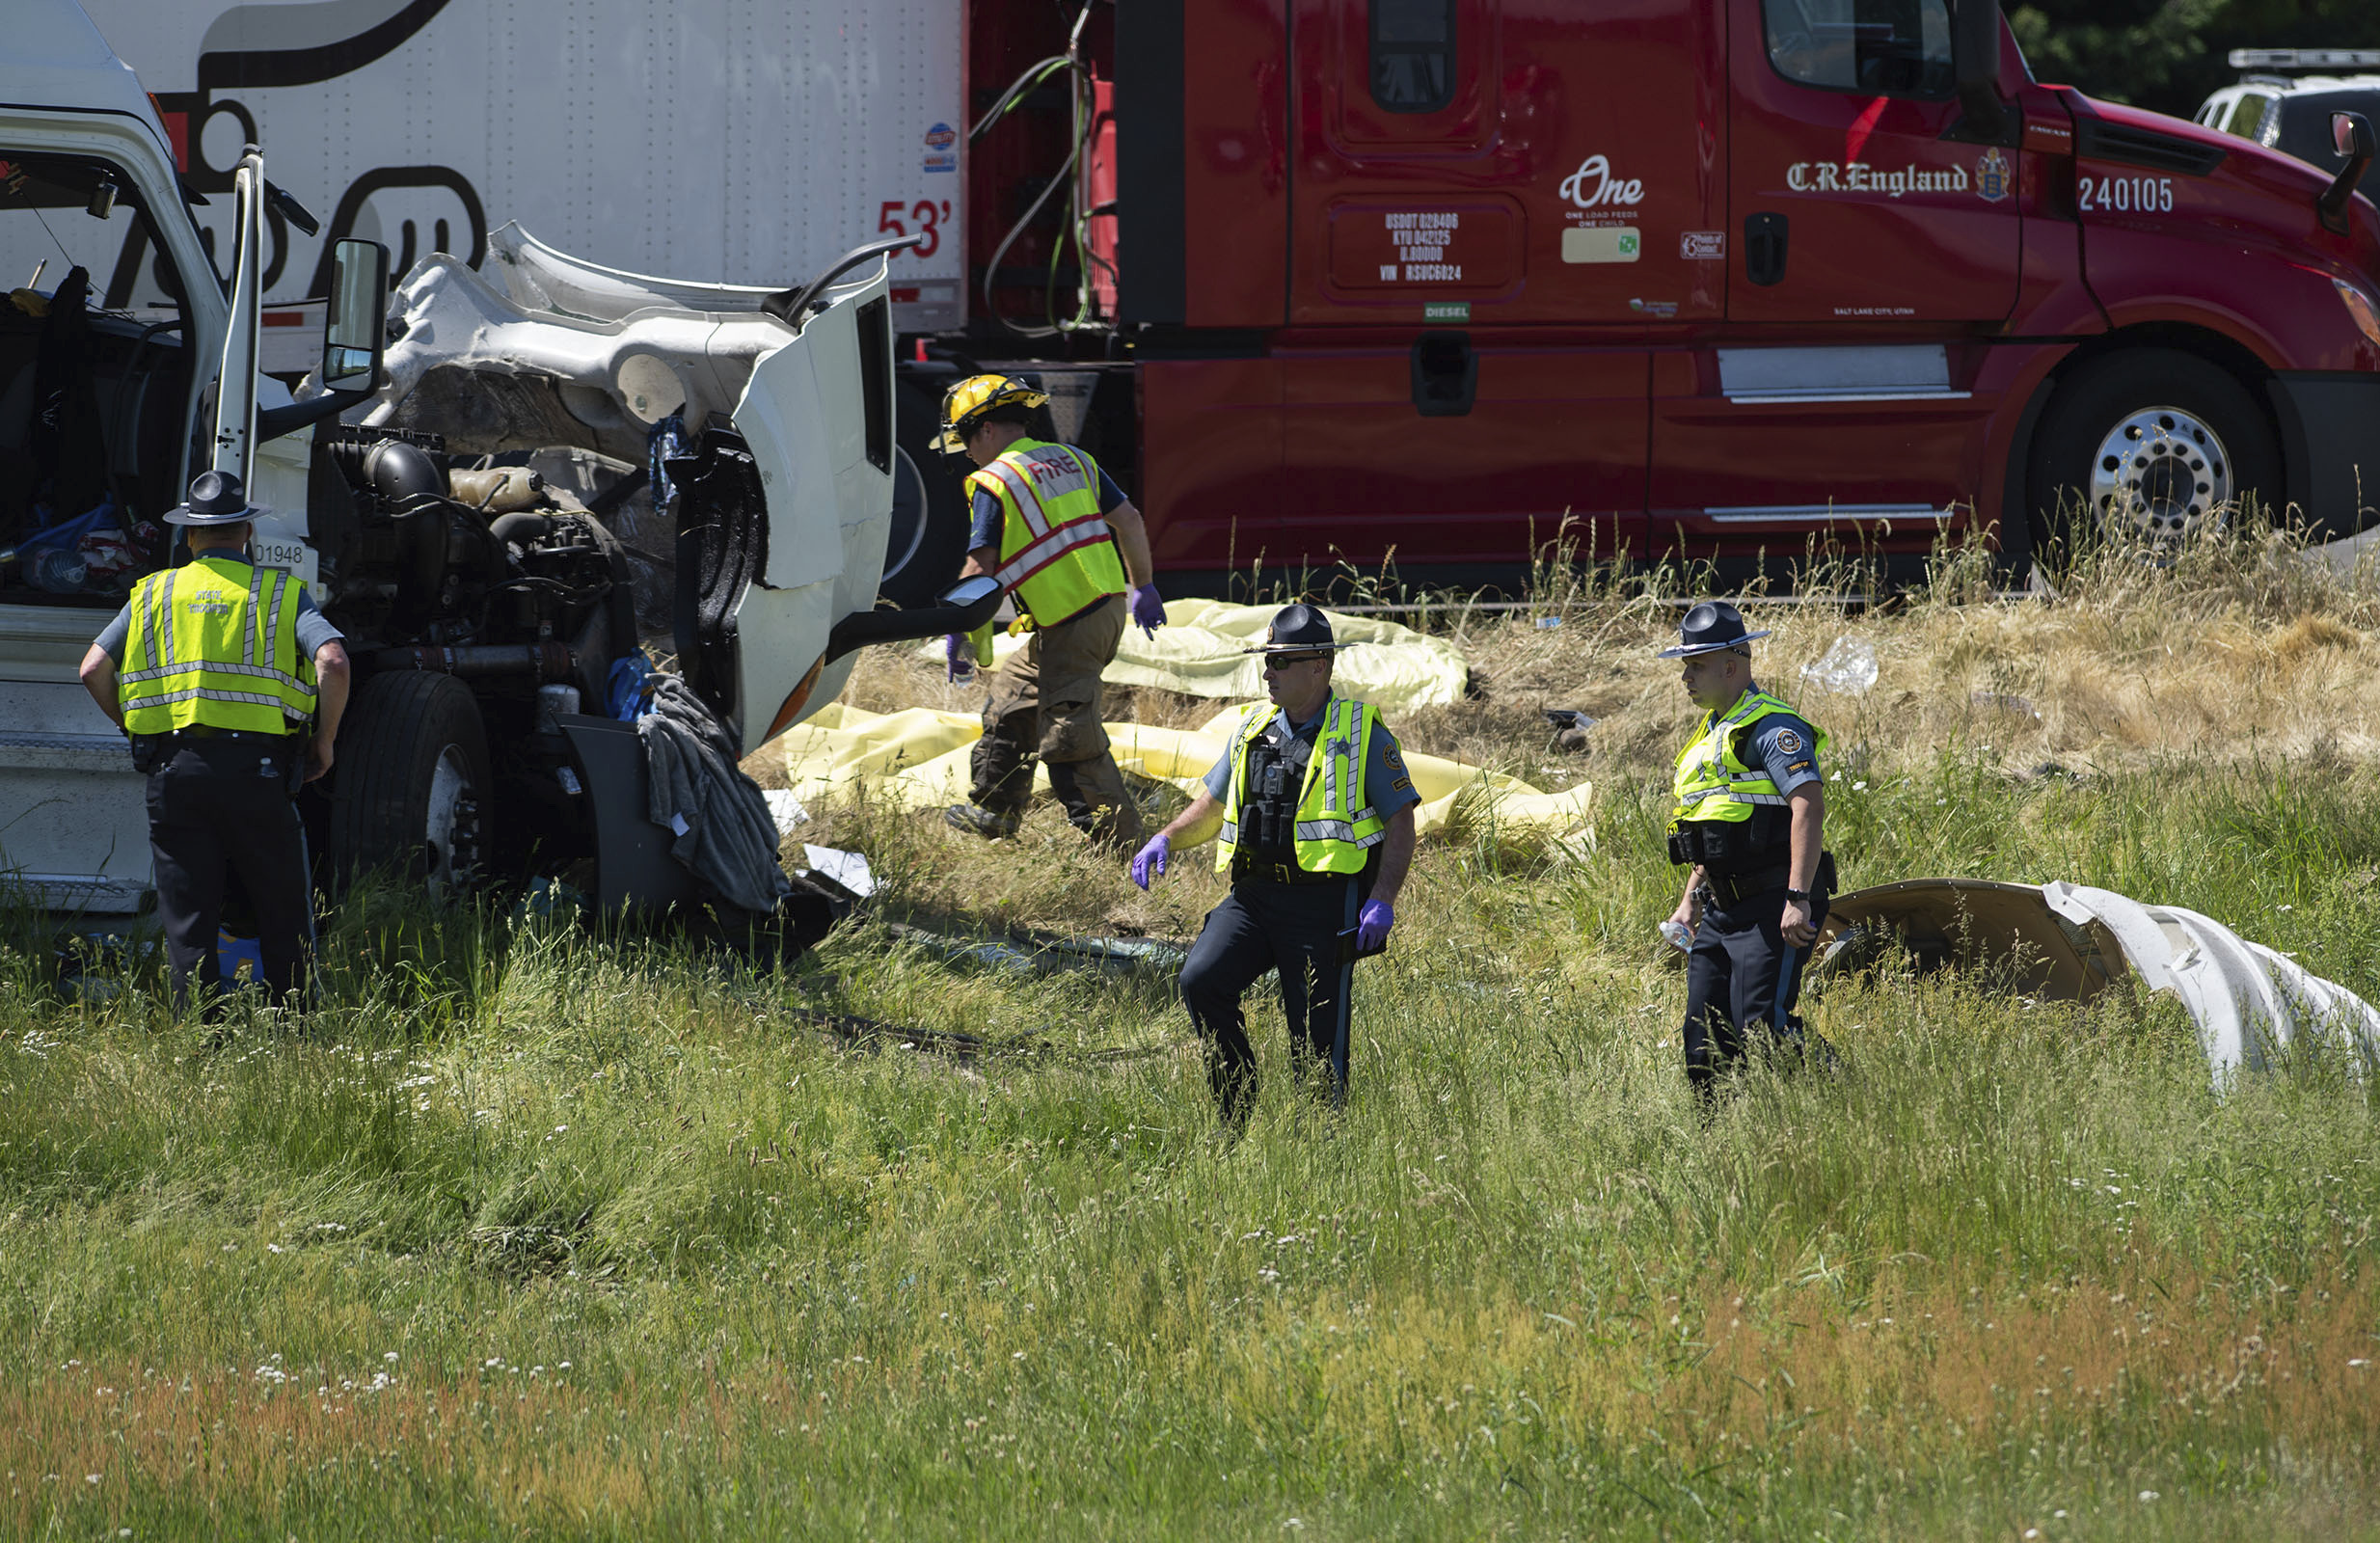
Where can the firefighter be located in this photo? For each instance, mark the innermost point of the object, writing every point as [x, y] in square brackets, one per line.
[1315, 811]
[1056, 531]
[1749, 824]
[231, 684]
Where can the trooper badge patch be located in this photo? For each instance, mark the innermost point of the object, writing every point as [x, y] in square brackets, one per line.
[1787, 742]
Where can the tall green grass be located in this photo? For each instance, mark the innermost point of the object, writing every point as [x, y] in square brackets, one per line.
[531, 1230]
[536, 1232]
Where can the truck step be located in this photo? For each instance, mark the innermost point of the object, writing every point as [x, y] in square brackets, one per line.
[64, 752]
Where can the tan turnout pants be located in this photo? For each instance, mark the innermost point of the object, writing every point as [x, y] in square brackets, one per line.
[1045, 702]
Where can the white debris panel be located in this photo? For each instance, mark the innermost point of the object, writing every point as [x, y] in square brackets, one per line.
[2253, 1005]
[565, 352]
[1206, 649]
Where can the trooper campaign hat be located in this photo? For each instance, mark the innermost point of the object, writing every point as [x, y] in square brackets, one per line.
[1299, 629]
[1707, 628]
[216, 498]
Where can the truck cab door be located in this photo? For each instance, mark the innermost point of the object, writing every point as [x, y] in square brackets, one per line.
[1853, 195]
[1489, 200]
[783, 515]
[1874, 243]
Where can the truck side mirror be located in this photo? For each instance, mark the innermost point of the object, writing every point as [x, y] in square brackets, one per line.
[354, 334]
[2351, 136]
[1975, 63]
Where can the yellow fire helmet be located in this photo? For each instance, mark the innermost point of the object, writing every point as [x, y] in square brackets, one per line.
[965, 403]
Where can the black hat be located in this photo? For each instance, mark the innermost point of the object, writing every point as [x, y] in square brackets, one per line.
[216, 498]
[1707, 628]
[1299, 629]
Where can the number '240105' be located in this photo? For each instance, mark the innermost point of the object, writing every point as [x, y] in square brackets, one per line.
[2126, 194]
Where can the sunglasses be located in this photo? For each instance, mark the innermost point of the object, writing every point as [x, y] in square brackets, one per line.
[1278, 661]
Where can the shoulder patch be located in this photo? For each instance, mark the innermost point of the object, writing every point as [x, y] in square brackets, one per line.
[1401, 785]
[1787, 742]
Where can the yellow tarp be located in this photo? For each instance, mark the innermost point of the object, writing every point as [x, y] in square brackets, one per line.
[1203, 651]
[917, 759]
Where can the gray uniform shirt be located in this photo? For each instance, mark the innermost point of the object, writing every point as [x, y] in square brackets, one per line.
[313, 629]
[1384, 766]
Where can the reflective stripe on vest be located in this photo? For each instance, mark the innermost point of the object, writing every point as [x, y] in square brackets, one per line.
[1056, 552]
[1337, 826]
[215, 642]
[1711, 781]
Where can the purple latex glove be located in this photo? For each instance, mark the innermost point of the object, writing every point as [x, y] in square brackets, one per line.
[1150, 862]
[958, 658]
[1148, 607]
[1372, 924]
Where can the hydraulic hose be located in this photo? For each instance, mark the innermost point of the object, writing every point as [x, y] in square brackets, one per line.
[1079, 85]
[548, 662]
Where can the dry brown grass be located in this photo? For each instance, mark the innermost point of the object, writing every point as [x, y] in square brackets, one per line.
[2239, 650]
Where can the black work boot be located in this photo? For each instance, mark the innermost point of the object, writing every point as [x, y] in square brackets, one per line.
[1096, 803]
[978, 821]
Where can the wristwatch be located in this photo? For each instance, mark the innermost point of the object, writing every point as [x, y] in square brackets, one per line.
[1801, 895]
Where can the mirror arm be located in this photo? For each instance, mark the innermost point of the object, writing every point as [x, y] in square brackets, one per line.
[1975, 49]
[291, 210]
[272, 423]
[864, 627]
[788, 304]
[2332, 205]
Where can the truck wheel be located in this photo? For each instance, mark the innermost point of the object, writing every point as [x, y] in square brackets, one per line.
[2150, 445]
[930, 505]
[412, 782]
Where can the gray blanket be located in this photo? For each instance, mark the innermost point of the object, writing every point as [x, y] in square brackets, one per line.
[724, 833]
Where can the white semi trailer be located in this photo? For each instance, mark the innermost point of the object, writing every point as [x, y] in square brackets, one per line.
[464, 623]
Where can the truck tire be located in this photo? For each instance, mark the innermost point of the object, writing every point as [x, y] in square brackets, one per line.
[411, 782]
[2150, 445]
[929, 504]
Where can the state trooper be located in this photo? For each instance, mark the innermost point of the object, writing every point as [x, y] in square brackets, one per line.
[231, 684]
[1061, 536]
[1316, 812]
[1749, 824]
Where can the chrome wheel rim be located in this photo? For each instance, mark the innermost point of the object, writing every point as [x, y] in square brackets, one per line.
[2160, 474]
[448, 824]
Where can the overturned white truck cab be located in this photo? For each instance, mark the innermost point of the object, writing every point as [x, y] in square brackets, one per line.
[475, 633]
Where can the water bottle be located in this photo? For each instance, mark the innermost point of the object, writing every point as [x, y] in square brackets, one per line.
[1678, 936]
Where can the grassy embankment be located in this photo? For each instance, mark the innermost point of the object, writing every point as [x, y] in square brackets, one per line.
[533, 1233]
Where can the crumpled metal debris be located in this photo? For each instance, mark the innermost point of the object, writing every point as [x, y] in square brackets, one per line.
[2068, 942]
[1033, 952]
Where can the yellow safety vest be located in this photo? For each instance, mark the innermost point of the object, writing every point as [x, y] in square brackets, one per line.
[215, 642]
[1337, 825]
[1057, 555]
[1712, 782]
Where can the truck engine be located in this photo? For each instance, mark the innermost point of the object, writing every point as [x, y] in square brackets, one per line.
[464, 593]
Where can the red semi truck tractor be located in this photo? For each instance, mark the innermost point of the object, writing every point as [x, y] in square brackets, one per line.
[1421, 280]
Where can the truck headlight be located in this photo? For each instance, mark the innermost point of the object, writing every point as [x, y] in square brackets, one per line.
[2360, 306]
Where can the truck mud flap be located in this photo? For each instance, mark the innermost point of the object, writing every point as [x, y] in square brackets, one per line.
[637, 880]
[634, 871]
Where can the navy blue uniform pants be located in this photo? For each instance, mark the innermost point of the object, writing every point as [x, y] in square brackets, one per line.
[218, 808]
[1741, 977]
[1293, 929]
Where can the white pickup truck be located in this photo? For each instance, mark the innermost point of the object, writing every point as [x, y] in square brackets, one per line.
[475, 632]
